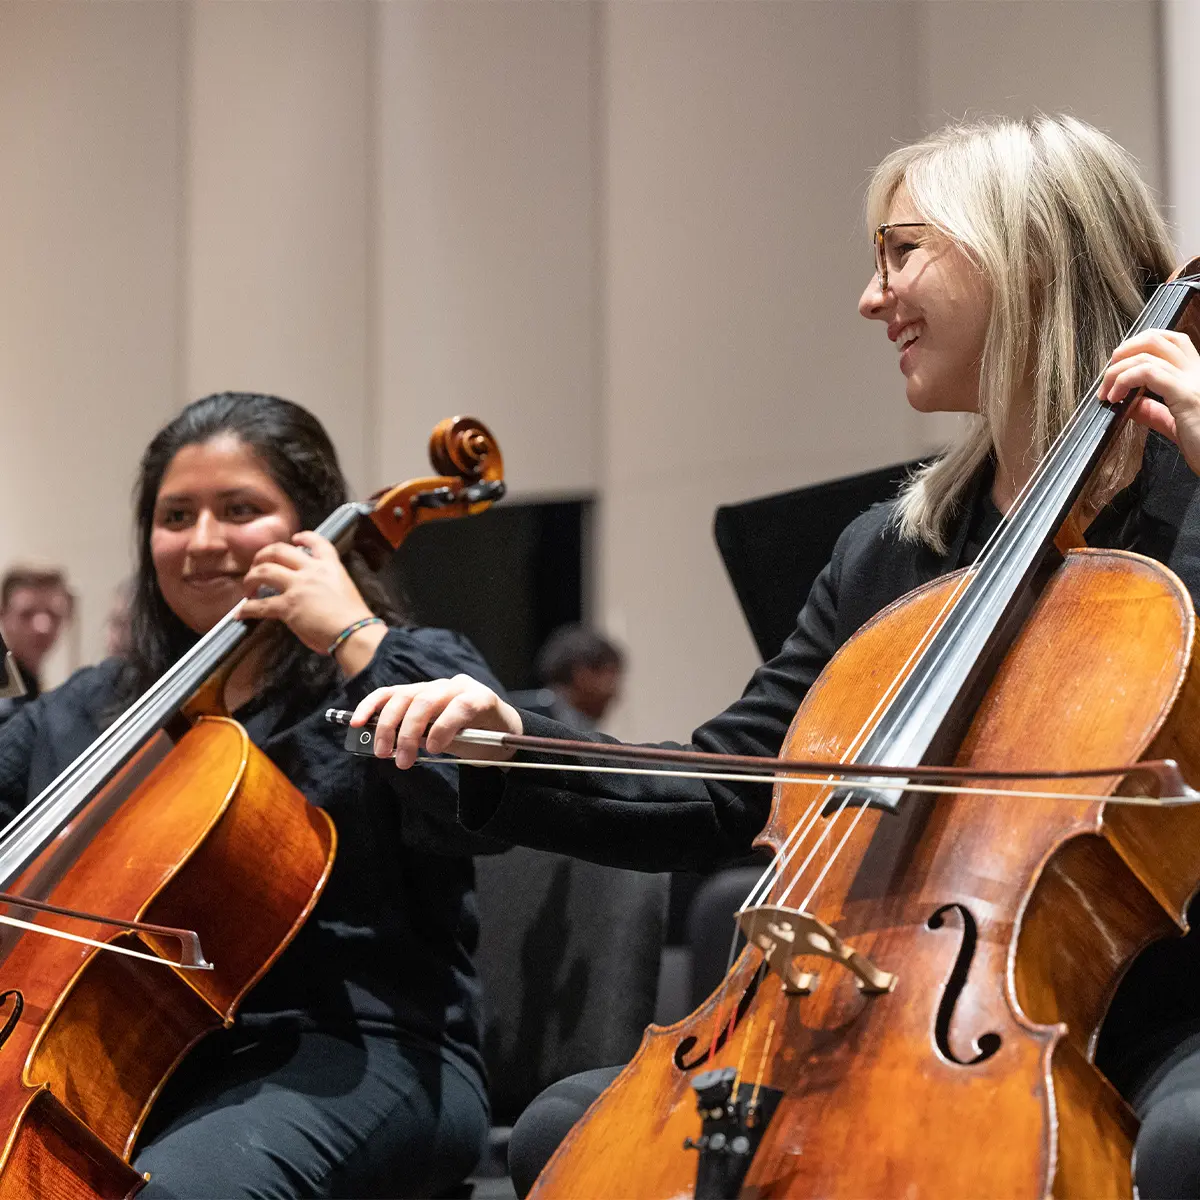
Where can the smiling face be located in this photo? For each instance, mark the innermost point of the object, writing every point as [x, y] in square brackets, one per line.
[936, 308]
[217, 506]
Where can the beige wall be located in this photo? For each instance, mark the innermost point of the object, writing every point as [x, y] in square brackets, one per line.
[486, 252]
[627, 235]
[91, 138]
[278, 210]
[1022, 55]
[1181, 44]
[737, 144]
[738, 141]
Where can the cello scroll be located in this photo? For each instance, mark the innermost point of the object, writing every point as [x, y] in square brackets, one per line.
[471, 478]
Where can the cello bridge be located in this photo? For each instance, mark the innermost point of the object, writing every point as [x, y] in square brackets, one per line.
[785, 934]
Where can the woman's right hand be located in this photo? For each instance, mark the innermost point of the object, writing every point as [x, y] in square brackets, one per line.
[436, 710]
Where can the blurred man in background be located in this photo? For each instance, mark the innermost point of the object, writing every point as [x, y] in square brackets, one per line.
[580, 671]
[35, 606]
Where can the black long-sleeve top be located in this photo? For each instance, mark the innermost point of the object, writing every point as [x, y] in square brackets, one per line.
[388, 947]
[680, 824]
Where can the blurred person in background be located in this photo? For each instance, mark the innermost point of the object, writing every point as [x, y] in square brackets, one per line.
[35, 607]
[581, 672]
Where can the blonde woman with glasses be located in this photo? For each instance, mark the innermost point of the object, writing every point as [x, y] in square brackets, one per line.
[1010, 256]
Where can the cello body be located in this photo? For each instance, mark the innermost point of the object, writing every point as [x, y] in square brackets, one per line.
[1005, 923]
[177, 839]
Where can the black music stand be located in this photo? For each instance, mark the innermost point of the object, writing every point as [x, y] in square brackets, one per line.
[775, 547]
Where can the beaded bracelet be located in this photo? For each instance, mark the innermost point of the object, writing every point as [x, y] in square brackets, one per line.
[351, 630]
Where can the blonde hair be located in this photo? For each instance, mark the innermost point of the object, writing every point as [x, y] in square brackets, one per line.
[1068, 237]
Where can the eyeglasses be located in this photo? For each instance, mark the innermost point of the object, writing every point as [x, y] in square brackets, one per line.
[885, 249]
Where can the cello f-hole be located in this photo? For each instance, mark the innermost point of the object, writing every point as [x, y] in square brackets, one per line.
[986, 1044]
[14, 1015]
[727, 1026]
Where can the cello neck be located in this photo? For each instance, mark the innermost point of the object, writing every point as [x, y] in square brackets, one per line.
[1063, 474]
[60, 801]
[932, 705]
[471, 478]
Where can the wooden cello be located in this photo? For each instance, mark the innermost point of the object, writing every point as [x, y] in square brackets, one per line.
[157, 831]
[916, 1010]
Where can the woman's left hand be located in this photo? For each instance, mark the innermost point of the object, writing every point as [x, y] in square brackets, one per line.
[316, 597]
[1167, 364]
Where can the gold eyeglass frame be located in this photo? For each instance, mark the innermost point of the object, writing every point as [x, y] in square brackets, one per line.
[881, 267]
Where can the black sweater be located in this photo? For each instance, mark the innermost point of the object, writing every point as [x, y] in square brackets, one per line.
[680, 824]
[388, 947]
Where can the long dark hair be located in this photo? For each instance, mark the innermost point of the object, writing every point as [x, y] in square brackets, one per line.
[298, 455]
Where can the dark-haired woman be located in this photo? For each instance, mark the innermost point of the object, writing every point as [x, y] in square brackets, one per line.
[354, 1067]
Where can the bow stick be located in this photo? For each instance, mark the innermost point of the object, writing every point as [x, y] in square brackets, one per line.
[1171, 787]
[191, 956]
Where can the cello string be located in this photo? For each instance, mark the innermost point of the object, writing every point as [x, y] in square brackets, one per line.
[825, 834]
[829, 828]
[862, 810]
[760, 973]
[761, 892]
[951, 602]
[756, 978]
[168, 693]
[869, 723]
[111, 743]
[733, 948]
[741, 1062]
[49, 931]
[802, 830]
[823, 781]
[762, 1063]
[783, 856]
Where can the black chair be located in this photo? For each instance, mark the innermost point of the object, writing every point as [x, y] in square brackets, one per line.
[568, 956]
[711, 928]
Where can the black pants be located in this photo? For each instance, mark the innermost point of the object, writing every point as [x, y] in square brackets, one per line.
[1166, 1156]
[545, 1123]
[301, 1114]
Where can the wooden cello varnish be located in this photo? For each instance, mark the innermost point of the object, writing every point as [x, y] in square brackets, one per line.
[186, 847]
[996, 927]
[174, 819]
